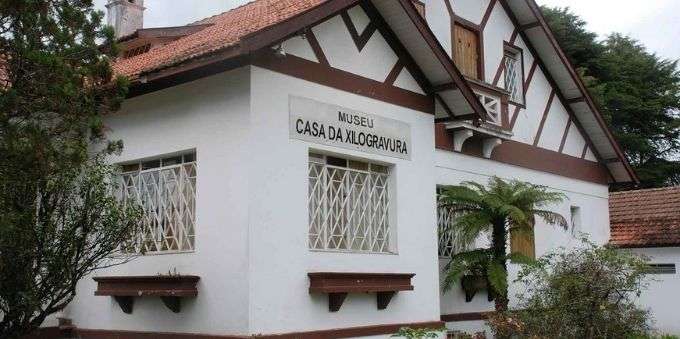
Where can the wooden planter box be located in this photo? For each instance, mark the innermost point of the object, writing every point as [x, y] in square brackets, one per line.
[338, 285]
[169, 288]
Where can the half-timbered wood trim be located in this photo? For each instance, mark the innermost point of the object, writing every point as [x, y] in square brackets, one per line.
[499, 72]
[528, 156]
[586, 94]
[513, 36]
[564, 136]
[569, 109]
[360, 40]
[316, 48]
[585, 151]
[449, 8]
[527, 83]
[311, 71]
[392, 40]
[549, 77]
[501, 65]
[487, 14]
[394, 73]
[444, 58]
[292, 26]
[537, 138]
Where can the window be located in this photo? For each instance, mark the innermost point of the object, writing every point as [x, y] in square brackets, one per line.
[349, 205]
[661, 269]
[523, 242]
[166, 190]
[449, 244]
[466, 51]
[514, 74]
[575, 213]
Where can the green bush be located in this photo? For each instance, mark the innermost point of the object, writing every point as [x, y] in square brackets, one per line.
[586, 293]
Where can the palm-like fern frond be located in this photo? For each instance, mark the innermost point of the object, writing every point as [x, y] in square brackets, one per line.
[505, 205]
[551, 218]
[470, 262]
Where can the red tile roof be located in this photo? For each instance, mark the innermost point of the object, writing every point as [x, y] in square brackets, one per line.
[645, 218]
[227, 30]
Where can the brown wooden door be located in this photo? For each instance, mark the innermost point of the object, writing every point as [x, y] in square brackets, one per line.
[466, 51]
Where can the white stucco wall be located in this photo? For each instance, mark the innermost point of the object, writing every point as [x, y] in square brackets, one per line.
[661, 296]
[453, 168]
[280, 258]
[211, 116]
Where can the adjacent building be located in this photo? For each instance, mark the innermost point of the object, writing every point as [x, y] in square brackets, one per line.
[647, 222]
[288, 152]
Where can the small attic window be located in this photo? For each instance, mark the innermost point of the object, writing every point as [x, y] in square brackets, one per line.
[137, 50]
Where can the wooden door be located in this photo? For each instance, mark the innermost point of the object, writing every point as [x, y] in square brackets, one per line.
[466, 51]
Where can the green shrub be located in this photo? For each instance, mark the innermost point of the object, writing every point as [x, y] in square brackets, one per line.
[586, 293]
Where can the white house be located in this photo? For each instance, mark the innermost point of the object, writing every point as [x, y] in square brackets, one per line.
[288, 153]
[647, 222]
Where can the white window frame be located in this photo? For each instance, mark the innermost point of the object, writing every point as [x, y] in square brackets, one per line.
[165, 188]
[513, 64]
[332, 227]
[448, 242]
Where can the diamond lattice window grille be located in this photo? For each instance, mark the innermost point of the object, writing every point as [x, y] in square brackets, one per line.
[513, 77]
[492, 105]
[348, 207]
[166, 193]
[449, 242]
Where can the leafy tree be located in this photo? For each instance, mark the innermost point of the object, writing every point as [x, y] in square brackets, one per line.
[637, 92]
[579, 44]
[58, 218]
[498, 209]
[586, 293]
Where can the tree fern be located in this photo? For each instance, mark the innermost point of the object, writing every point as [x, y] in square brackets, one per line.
[496, 209]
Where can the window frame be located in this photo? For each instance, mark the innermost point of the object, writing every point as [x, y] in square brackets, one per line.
[470, 26]
[188, 157]
[511, 48]
[661, 269]
[391, 247]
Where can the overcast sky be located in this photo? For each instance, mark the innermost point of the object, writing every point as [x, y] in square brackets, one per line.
[654, 22]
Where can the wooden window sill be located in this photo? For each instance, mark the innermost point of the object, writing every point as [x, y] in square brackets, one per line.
[169, 288]
[337, 285]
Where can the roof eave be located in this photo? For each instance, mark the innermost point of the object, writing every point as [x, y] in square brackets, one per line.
[583, 92]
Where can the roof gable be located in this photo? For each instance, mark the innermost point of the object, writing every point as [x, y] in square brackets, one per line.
[245, 30]
[527, 17]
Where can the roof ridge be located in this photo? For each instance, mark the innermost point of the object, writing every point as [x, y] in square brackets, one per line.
[656, 189]
[202, 21]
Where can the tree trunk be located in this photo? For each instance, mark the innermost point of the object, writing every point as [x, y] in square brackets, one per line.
[499, 244]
